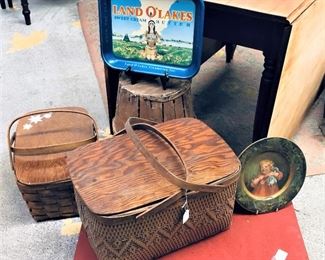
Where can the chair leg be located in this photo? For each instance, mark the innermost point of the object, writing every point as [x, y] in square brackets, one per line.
[3, 4]
[26, 11]
[10, 4]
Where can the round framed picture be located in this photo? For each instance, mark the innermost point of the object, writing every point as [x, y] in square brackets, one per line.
[273, 171]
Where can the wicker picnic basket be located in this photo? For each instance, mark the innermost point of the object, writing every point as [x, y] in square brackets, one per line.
[135, 191]
[37, 152]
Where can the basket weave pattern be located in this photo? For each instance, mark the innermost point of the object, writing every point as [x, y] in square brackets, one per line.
[49, 201]
[161, 233]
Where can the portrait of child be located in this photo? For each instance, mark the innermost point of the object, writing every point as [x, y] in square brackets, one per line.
[266, 182]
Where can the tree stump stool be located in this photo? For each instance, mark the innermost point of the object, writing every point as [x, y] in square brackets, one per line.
[147, 99]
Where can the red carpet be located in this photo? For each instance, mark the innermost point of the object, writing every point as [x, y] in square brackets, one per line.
[251, 237]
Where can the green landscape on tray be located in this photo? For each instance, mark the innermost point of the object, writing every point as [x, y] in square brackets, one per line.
[171, 55]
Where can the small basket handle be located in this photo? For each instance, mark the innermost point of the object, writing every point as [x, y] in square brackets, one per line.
[57, 148]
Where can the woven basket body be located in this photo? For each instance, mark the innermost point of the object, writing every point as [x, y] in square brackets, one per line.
[49, 201]
[132, 211]
[38, 152]
[160, 233]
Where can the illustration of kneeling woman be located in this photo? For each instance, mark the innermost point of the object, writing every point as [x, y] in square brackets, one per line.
[151, 37]
[266, 182]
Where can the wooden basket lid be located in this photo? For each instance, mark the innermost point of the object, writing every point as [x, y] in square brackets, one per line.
[46, 129]
[111, 176]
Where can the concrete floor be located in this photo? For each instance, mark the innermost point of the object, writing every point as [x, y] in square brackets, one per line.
[42, 65]
[47, 65]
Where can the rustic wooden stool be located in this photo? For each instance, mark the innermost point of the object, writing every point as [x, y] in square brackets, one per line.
[147, 99]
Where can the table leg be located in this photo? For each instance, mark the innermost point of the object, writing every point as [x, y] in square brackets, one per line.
[230, 50]
[266, 99]
[3, 4]
[112, 81]
[209, 48]
[26, 11]
[10, 4]
[322, 124]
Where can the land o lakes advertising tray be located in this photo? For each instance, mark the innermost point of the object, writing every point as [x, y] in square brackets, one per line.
[155, 37]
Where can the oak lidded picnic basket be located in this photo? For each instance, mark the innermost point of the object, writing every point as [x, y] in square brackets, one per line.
[37, 152]
[135, 190]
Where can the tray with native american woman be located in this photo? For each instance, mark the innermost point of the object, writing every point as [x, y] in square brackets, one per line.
[162, 38]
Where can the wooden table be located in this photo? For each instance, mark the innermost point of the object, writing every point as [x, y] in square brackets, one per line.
[291, 35]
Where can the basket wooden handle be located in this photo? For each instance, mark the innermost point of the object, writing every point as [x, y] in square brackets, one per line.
[57, 148]
[136, 123]
[162, 170]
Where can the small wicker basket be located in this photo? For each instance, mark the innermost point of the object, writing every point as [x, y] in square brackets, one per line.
[37, 153]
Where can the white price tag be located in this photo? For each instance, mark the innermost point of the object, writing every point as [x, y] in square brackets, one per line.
[280, 255]
[186, 216]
